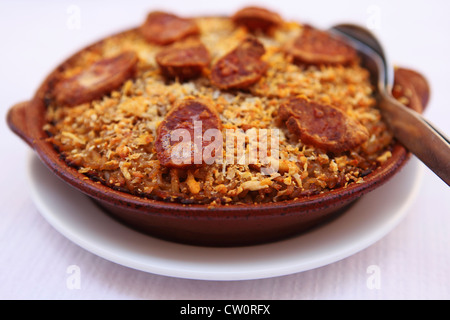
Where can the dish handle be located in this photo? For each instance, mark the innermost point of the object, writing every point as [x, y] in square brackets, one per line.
[17, 121]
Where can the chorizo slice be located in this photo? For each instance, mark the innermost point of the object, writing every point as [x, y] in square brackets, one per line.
[183, 60]
[163, 28]
[97, 80]
[179, 144]
[256, 18]
[240, 68]
[411, 88]
[315, 46]
[322, 126]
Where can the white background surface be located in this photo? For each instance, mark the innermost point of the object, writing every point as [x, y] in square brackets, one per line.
[414, 259]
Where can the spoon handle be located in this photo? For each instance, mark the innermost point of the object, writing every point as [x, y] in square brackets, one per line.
[418, 136]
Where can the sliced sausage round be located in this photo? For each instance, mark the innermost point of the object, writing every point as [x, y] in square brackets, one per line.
[240, 68]
[181, 141]
[97, 80]
[413, 87]
[322, 126]
[183, 60]
[165, 28]
[255, 18]
[314, 46]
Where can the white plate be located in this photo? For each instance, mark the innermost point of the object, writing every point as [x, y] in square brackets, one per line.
[80, 220]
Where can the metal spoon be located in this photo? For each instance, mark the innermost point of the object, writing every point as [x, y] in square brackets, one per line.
[417, 134]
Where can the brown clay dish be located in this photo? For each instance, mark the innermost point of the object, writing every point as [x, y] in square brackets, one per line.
[219, 225]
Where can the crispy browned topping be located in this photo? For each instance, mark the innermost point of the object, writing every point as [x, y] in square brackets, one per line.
[241, 67]
[97, 80]
[315, 46]
[322, 126]
[120, 138]
[165, 28]
[183, 60]
[255, 18]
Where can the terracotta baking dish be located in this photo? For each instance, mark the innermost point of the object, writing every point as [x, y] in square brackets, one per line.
[231, 225]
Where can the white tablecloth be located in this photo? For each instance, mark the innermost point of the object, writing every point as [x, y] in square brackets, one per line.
[411, 262]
